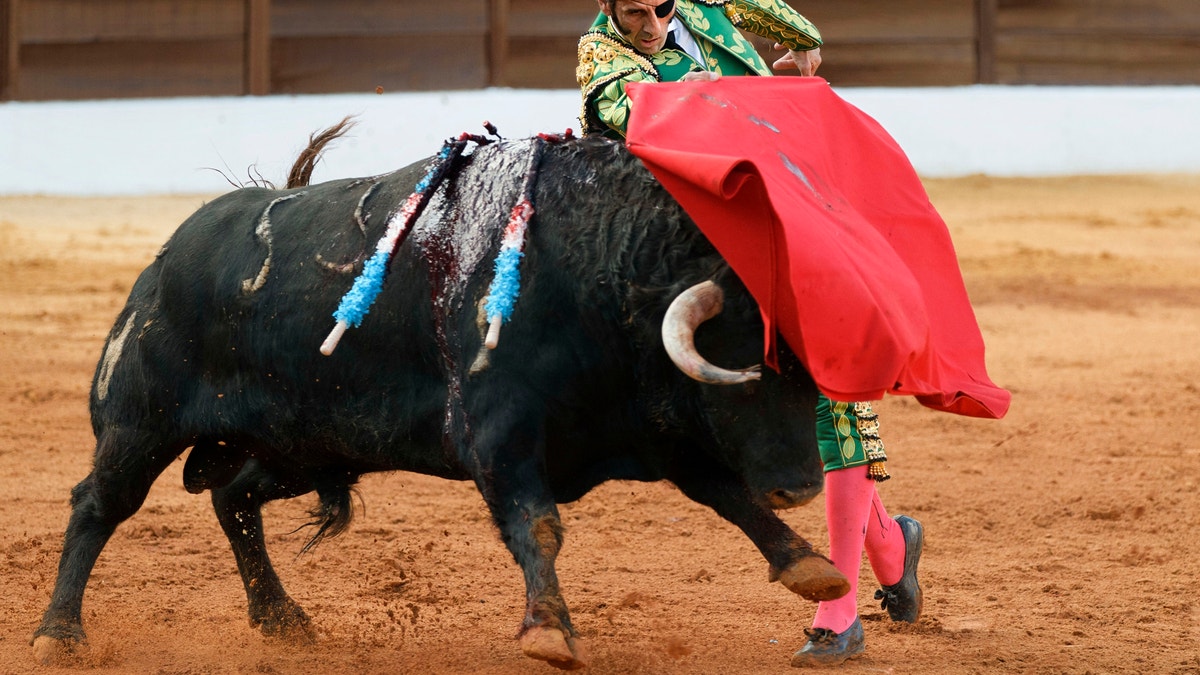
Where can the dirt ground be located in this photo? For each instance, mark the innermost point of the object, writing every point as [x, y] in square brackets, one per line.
[1059, 540]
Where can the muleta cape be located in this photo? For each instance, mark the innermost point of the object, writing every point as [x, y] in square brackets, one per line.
[821, 215]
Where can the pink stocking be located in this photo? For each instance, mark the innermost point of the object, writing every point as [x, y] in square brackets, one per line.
[848, 500]
[884, 544]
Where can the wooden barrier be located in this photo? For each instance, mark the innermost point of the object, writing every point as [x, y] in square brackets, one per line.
[74, 49]
[890, 43]
[1098, 42]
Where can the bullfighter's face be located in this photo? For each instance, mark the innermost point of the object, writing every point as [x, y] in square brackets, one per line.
[644, 24]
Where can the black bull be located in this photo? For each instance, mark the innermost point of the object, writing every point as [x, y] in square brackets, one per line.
[217, 350]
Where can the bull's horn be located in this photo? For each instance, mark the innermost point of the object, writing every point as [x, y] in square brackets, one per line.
[690, 309]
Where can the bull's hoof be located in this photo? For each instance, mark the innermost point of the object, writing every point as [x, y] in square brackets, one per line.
[287, 622]
[813, 578]
[301, 633]
[51, 651]
[554, 647]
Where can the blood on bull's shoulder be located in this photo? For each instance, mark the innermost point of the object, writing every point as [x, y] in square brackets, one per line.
[216, 351]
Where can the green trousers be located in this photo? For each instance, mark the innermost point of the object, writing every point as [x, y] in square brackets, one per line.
[848, 436]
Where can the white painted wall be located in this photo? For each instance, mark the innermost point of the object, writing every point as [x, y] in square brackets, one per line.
[167, 145]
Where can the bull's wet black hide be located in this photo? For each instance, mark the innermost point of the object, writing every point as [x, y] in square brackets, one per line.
[216, 351]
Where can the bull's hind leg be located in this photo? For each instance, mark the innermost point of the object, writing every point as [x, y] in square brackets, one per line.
[126, 463]
[239, 509]
[793, 561]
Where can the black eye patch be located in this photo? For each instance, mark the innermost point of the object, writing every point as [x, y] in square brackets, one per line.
[664, 9]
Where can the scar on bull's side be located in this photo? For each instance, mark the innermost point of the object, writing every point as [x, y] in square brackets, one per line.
[301, 174]
[361, 221]
[112, 354]
[152, 311]
[263, 232]
[482, 360]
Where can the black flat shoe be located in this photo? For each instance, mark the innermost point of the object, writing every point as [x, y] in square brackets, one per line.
[826, 648]
[903, 599]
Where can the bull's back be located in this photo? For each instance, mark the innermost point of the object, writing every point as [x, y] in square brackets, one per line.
[220, 334]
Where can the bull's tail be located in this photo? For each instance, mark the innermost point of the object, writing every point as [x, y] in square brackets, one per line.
[334, 510]
[302, 169]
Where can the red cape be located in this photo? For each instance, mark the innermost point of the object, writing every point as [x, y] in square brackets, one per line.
[819, 212]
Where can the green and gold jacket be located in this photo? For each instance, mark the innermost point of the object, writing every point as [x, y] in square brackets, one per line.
[608, 62]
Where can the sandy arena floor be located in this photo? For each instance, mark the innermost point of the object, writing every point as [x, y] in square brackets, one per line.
[1059, 540]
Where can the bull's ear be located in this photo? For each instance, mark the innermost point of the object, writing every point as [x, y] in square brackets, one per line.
[688, 310]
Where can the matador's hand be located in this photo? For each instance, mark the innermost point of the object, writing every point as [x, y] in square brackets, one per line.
[806, 62]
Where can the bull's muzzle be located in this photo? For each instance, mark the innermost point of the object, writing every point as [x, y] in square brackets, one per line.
[781, 499]
[687, 311]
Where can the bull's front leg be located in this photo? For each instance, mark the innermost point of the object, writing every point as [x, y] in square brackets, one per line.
[793, 561]
[507, 464]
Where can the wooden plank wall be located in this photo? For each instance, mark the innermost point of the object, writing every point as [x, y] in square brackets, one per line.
[71, 49]
[890, 43]
[543, 37]
[1098, 41]
[8, 49]
[361, 45]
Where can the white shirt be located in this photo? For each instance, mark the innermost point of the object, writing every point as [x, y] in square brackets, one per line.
[686, 41]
